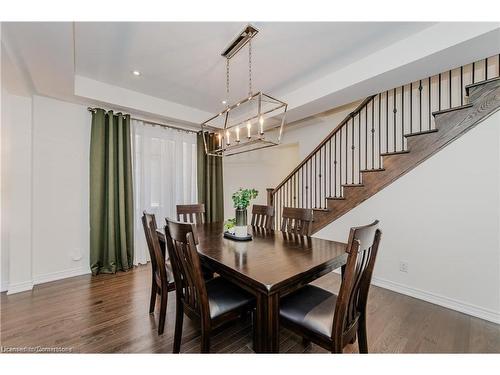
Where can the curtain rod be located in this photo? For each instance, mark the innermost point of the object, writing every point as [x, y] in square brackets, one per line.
[90, 109]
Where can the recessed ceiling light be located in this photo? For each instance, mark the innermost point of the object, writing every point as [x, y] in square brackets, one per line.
[224, 102]
[136, 73]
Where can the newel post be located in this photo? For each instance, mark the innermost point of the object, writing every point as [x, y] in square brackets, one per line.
[270, 196]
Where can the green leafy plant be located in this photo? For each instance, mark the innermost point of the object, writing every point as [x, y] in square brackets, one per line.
[241, 199]
[229, 224]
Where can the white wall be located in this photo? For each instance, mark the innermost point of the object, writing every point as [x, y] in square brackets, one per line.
[45, 171]
[61, 142]
[16, 192]
[266, 168]
[259, 170]
[442, 218]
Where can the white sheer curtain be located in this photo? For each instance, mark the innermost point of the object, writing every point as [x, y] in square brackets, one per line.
[164, 176]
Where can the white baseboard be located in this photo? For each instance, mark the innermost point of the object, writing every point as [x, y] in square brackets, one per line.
[437, 299]
[4, 286]
[20, 287]
[45, 278]
[53, 276]
[450, 303]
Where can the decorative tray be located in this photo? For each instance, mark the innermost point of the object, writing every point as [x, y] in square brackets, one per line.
[233, 237]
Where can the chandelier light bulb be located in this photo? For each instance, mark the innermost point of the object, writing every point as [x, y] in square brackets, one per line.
[237, 134]
[249, 129]
[261, 122]
[219, 136]
[228, 141]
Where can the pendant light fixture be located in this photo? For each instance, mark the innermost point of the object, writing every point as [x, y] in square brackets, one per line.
[252, 123]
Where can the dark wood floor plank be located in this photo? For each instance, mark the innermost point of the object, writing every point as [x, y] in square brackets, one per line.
[109, 314]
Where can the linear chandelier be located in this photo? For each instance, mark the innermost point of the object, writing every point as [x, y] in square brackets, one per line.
[252, 123]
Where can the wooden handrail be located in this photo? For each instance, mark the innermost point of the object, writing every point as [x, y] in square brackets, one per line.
[327, 138]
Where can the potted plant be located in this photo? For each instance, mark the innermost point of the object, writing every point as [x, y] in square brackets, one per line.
[241, 201]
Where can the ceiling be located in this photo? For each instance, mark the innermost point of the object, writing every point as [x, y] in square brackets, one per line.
[181, 62]
[312, 66]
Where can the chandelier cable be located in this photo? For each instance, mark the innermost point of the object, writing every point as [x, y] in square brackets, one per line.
[227, 82]
[250, 67]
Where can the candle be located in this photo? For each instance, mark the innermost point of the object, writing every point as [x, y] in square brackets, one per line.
[249, 127]
[228, 141]
[220, 139]
[261, 122]
[237, 134]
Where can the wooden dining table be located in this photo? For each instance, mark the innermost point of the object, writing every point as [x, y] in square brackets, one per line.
[269, 266]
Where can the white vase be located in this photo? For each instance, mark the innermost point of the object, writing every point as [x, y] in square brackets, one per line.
[241, 231]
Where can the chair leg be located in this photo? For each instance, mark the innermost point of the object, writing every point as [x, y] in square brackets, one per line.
[152, 302]
[362, 340]
[179, 318]
[205, 341]
[163, 311]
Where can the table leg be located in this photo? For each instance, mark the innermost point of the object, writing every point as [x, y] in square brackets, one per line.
[267, 314]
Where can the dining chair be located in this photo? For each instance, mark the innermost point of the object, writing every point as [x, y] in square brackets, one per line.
[162, 280]
[329, 320]
[262, 216]
[210, 303]
[297, 221]
[190, 213]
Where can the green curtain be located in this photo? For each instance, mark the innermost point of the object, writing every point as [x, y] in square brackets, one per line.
[111, 196]
[210, 182]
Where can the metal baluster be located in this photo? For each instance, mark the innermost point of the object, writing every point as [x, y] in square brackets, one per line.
[352, 152]
[411, 107]
[402, 117]
[324, 179]
[420, 103]
[346, 152]
[486, 69]
[387, 121]
[430, 115]
[379, 135]
[473, 72]
[394, 110]
[366, 139]
[319, 178]
[335, 164]
[461, 85]
[439, 92]
[340, 162]
[359, 139]
[330, 167]
[373, 134]
[449, 79]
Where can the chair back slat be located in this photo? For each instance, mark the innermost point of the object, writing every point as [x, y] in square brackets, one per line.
[191, 213]
[186, 266]
[154, 247]
[262, 216]
[362, 251]
[297, 221]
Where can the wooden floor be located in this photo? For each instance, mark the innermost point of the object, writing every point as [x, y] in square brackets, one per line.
[109, 313]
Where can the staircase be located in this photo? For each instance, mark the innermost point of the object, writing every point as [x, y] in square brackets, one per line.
[386, 136]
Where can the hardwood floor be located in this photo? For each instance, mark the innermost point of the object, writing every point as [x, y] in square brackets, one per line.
[109, 313]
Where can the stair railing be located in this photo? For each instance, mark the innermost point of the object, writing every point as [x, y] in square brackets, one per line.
[377, 127]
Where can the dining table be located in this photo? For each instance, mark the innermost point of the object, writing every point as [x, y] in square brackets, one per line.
[269, 266]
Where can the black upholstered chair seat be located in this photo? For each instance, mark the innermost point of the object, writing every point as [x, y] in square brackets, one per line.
[311, 307]
[224, 297]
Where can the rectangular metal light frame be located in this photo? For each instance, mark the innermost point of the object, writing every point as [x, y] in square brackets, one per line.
[226, 150]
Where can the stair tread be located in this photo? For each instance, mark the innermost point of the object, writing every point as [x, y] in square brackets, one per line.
[372, 170]
[465, 106]
[430, 131]
[467, 87]
[353, 185]
[336, 198]
[395, 153]
[321, 209]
